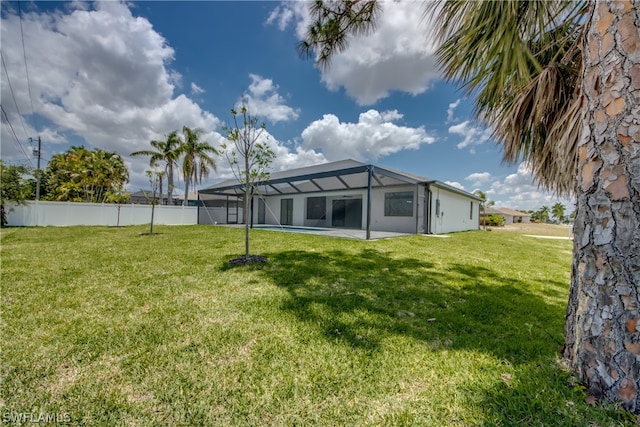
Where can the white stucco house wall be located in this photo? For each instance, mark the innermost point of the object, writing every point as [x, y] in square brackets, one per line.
[347, 194]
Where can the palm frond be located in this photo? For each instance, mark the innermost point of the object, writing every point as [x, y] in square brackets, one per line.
[520, 60]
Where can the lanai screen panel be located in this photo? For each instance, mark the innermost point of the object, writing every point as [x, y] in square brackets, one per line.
[336, 176]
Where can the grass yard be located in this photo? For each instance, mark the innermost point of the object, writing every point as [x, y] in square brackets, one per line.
[108, 327]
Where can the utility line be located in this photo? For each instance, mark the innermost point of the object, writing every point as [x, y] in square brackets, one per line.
[26, 68]
[6, 119]
[4, 65]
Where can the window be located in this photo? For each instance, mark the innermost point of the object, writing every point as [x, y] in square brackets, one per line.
[316, 208]
[399, 203]
[471, 210]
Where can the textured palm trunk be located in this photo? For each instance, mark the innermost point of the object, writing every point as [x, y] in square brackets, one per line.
[603, 322]
[170, 185]
[186, 192]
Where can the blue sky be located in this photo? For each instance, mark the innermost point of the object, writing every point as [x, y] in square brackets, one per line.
[115, 75]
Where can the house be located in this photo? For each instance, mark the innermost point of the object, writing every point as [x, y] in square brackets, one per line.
[144, 197]
[346, 194]
[178, 199]
[510, 216]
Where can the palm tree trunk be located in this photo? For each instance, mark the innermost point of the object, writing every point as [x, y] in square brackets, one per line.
[603, 321]
[170, 184]
[186, 191]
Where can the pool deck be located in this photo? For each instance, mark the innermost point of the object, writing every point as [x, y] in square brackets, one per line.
[343, 233]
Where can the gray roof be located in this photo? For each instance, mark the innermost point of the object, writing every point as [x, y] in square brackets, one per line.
[504, 211]
[340, 175]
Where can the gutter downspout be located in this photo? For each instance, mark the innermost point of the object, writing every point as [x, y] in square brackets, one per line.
[417, 207]
[429, 197]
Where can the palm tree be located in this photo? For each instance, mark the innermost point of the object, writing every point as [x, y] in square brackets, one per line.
[557, 211]
[520, 60]
[168, 152]
[484, 202]
[543, 213]
[198, 158]
[557, 81]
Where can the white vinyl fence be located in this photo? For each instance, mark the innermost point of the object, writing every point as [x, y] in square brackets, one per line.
[69, 213]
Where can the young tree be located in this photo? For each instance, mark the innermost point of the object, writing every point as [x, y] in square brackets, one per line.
[249, 157]
[13, 187]
[155, 177]
[118, 196]
[168, 152]
[198, 158]
[559, 82]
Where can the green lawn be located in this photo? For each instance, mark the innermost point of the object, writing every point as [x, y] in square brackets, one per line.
[113, 328]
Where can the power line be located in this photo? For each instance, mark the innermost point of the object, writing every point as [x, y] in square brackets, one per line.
[13, 95]
[17, 140]
[26, 68]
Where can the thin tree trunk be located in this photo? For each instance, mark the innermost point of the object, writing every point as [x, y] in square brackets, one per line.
[153, 209]
[603, 323]
[247, 200]
[186, 191]
[170, 185]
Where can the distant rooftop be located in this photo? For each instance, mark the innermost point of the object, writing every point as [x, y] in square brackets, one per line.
[505, 211]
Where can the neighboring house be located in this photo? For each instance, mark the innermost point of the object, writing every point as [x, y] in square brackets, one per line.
[193, 199]
[143, 197]
[347, 194]
[510, 216]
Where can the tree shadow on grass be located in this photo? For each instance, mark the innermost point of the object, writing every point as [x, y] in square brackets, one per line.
[361, 299]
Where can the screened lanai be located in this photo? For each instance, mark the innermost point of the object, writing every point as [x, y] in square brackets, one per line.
[348, 183]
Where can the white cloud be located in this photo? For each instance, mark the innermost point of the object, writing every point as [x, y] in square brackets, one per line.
[263, 100]
[518, 191]
[374, 136]
[451, 111]
[101, 76]
[108, 81]
[455, 184]
[295, 12]
[479, 178]
[285, 158]
[397, 56]
[282, 15]
[473, 135]
[301, 157]
[195, 89]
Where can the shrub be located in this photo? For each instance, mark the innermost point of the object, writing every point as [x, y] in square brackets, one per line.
[495, 220]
